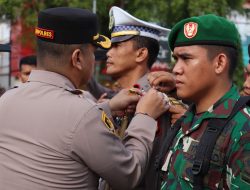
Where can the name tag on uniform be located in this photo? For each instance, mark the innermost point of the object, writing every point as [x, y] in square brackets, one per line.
[188, 143]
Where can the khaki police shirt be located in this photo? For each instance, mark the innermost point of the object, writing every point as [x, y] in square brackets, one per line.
[51, 138]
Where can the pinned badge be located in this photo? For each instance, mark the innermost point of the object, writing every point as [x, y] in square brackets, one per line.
[111, 21]
[108, 123]
[190, 29]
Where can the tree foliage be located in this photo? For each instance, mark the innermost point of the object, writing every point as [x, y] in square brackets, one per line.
[163, 12]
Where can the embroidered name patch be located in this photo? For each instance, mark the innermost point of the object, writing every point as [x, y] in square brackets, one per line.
[49, 34]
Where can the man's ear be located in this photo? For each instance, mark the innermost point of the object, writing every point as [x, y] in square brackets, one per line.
[141, 54]
[76, 59]
[221, 63]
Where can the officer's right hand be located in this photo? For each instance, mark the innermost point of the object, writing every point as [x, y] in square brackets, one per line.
[153, 103]
[123, 99]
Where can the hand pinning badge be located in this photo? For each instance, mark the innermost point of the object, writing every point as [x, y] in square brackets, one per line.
[173, 101]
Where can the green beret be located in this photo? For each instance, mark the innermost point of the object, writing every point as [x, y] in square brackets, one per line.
[204, 30]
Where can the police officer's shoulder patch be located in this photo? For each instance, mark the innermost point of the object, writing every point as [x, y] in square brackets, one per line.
[108, 123]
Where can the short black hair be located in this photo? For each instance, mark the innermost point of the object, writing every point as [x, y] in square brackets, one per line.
[231, 53]
[60, 52]
[53, 49]
[28, 60]
[151, 44]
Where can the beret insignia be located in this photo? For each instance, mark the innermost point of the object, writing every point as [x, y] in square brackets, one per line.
[190, 29]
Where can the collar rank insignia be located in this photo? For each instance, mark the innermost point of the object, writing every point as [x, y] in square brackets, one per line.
[190, 29]
[108, 123]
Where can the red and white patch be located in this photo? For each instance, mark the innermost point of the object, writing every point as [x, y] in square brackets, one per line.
[190, 29]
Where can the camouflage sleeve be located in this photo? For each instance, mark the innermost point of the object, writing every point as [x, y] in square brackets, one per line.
[238, 166]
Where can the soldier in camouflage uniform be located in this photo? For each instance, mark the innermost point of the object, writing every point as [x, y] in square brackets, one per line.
[246, 85]
[205, 49]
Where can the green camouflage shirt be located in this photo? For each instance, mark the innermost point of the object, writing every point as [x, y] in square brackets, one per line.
[233, 145]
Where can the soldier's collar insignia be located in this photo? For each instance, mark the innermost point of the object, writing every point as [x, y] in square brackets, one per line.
[108, 123]
[190, 29]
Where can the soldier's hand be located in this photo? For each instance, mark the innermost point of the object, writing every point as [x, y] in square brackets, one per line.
[176, 112]
[153, 103]
[162, 81]
[123, 99]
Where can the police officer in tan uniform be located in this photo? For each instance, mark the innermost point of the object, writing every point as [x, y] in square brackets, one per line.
[63, 140]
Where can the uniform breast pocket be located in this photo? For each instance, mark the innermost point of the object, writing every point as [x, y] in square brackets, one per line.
[186, 163]
[184, 160]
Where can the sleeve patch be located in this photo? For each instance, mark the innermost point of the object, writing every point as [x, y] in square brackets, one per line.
[108, 123]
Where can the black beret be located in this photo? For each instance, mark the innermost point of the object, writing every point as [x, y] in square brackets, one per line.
[65, 25]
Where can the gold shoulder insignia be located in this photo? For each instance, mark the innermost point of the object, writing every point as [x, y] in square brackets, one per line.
[108, 123]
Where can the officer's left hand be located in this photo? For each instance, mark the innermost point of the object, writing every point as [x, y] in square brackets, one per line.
[102, 98]
[123, 99]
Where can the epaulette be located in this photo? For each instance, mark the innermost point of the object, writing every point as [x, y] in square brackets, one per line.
[14, 87]
[78, 92]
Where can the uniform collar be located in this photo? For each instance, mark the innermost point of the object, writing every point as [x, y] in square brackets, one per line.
[51, 78]
[143, 83]
[222, 108]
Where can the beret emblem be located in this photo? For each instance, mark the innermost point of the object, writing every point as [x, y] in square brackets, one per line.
[190, 29]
